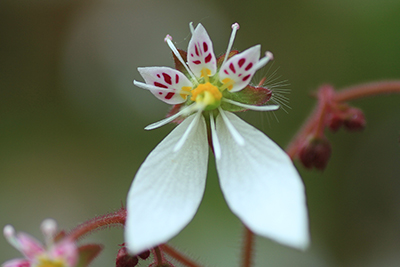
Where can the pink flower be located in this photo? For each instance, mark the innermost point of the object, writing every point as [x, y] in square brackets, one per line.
[54, 254]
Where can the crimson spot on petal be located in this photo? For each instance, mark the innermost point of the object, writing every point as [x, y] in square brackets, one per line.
[249, 66]
[241, 62]
[160, 93]
[169, 95]
[160, 85]
[158, 75]
[205, 46]
[232, 68]
[167, 78]
[197, 62]
[245, 78]
[196, 50]
[226, 72]
[208, 58]
[176, 78]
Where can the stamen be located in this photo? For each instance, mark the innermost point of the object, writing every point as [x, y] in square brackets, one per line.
[169, 119]
[185, 136]
[204, 73]
[228, 83]
[9, 234]
[252, 107]
[153, 87]
[168, 39]
[214, 138]
[235, 134]
[235, 27]
[262, 62]
[49, 230]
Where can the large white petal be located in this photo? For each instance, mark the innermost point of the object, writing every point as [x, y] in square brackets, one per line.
[261, 185]
[168, 188]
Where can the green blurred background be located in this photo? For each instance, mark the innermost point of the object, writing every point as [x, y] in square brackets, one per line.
[71, 121]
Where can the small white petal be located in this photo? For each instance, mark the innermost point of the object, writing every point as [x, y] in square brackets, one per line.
[261, 185]
[173, 85]
[200, 54]
[168, 188]
[240, 68]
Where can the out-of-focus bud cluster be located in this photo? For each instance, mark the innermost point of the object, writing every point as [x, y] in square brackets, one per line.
[124, 259]
[352, 119]
[314, 150]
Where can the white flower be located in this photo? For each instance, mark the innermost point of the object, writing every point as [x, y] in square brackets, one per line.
[257, 178]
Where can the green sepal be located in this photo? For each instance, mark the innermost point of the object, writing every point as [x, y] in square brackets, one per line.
[250, 95]
[87, 253]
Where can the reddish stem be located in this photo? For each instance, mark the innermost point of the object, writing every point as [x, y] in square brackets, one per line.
[365, 90]
[178, 256]
[248, 247]
[112, 219]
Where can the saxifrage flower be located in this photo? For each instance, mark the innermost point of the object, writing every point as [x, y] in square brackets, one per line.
[54, 254]
[257, 178]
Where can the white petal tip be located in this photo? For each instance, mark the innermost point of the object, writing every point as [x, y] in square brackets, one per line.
[269, 55]
[235, 26]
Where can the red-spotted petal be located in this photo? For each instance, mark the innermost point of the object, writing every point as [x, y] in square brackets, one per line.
[29, 246]
[239, 69]
[67, 251]
[200, 53]
[17, 263]
[174, 85]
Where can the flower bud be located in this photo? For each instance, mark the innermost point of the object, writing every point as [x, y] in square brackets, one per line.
[144, 255]
[315, 153]
[334, 122]
[125, 260]
[355, 120]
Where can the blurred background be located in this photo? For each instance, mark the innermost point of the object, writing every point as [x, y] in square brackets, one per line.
[71, 121]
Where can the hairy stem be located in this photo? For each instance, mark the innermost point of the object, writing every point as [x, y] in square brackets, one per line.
[112, 219]
[365, 90]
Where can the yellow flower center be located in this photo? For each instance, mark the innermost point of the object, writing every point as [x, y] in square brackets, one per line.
[46, 262]
[207, 94]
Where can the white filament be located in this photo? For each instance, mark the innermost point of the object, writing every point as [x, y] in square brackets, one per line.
[252, 107]
[235, 28]
[214, 137]
[235, 134]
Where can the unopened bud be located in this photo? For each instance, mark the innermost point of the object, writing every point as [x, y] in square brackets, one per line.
[125, 260]
[315, 153]
[334, 122]
[355, 120]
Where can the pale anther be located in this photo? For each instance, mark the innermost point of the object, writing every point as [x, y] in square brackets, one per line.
[49, 227]
[168, 38]
[263, 61]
